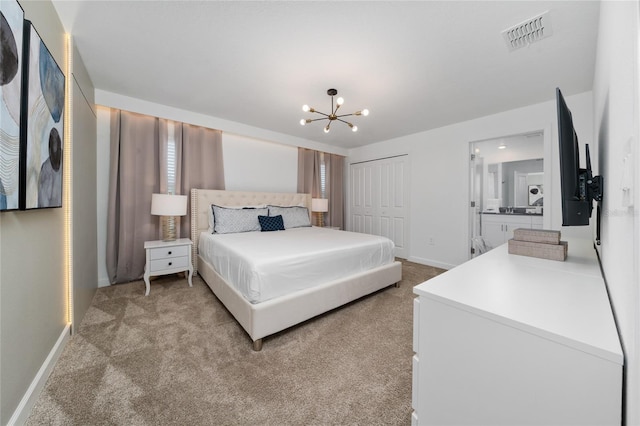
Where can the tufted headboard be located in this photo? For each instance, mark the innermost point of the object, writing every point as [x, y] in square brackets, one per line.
[201, 200]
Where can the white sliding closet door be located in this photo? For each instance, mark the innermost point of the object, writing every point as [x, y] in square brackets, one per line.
[378, 200]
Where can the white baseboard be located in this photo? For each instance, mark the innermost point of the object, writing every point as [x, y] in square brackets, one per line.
[431, 262]
[23, 410]
[103, 282]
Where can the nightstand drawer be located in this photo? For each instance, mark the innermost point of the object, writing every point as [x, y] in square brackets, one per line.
[167, 252]
[169, 263]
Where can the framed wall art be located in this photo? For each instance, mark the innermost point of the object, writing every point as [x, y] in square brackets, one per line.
[43, 125]
[11, 35]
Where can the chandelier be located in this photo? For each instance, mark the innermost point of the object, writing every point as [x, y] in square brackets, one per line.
[334, 113]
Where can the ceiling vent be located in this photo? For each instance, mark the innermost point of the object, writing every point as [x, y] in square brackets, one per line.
[528, 32]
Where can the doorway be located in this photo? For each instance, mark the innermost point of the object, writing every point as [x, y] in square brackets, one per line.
[506, 188]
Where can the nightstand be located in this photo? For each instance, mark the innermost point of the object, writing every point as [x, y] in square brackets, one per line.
[167, 257]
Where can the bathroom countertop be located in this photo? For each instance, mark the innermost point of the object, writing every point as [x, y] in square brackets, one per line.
[514, 214]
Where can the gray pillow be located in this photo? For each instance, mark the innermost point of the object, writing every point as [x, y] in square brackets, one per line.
[293, 217]
[212, 220]
[229, 220]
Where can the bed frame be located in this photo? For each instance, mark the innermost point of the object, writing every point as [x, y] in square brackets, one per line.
[263, 319]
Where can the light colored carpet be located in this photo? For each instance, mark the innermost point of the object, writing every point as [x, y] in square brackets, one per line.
[177, 357]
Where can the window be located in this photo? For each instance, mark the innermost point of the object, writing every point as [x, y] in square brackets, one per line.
[323, 177]
[171, 158]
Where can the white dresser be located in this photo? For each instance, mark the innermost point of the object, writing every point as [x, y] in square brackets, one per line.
[506, 339]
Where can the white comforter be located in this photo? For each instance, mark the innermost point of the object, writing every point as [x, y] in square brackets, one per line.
[265, 265]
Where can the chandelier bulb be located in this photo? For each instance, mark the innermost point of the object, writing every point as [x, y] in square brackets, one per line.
[365, 112]
[306, 108]
[303, 122]
[340, 101]
[326, 129]
[354, 128]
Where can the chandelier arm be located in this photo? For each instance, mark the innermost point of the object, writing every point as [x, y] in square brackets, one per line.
[317, 119]
[345, 122]
[344, 115]
[321, 113]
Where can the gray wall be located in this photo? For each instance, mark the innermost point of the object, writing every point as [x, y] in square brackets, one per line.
[33, 288]
[85, 234]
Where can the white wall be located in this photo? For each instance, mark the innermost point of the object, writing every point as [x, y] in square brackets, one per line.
[439, 181]
[102, 190]
[256, 165]
[616, 109]
[251, 163]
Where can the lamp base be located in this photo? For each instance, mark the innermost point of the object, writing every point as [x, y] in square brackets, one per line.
[319, 218]
[168, 228]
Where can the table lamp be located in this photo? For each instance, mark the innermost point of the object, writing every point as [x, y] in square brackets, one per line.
[319, 206]
[168, 206]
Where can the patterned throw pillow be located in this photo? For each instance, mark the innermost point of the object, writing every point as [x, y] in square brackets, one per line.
[271, 223]
[229, 220]
[211, 218]
[293, 217]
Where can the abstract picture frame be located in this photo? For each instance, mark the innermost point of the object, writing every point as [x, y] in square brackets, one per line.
[11, 96]
[42, 130]
[535, 195]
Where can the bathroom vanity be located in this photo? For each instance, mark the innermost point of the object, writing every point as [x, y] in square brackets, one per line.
[497, 228]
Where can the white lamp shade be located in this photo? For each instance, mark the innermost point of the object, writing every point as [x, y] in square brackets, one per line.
[168, 205]
[319, 205]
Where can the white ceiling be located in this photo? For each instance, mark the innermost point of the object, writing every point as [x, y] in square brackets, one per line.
[415, 65]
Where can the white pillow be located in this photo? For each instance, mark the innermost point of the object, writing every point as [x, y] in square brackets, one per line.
[293, 217]
[212, 221]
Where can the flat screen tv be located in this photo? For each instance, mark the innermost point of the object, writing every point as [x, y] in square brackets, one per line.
[579, 188]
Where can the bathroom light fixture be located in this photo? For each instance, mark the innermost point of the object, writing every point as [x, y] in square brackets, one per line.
[333, 116]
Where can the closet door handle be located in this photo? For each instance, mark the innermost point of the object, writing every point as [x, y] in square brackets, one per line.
[169, 253]
[170, 263]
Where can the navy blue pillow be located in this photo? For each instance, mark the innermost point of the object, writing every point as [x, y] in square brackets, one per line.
[271, 223]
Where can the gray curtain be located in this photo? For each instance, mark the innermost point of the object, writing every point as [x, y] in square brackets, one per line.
[138, 168]
[309, 181]
[309, 172]
[133, 177]
[200, 165]
[334, 174]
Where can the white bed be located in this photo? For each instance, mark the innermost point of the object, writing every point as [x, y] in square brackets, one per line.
[274, 309]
